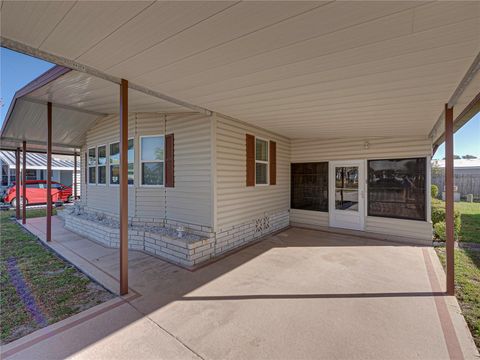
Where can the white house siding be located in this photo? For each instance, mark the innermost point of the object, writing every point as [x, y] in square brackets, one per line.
[105, 198]
[316, 150]
[246, 213]
[150, 201]
[188, 202]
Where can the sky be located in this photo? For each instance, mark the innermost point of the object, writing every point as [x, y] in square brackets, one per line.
[17, 70]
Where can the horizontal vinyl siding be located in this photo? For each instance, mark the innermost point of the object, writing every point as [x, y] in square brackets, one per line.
[304, 150]
[83, 180]
[150, 201]
[421, 230]
[237, 203]
[317, 218]
[190, 200]
[106, 197]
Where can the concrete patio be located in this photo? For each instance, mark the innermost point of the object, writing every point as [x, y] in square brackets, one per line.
[300, 294]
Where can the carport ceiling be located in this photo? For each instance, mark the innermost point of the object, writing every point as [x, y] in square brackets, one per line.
[301, 69]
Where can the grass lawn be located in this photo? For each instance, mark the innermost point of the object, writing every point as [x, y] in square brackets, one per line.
[37, 288]
[467, 286]
[470, 214]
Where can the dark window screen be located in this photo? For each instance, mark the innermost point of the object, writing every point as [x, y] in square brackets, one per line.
[310, 186]
[396, 188]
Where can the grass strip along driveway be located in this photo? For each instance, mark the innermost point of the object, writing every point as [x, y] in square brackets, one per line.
[37, 288]
[467, 265]
[467, 286]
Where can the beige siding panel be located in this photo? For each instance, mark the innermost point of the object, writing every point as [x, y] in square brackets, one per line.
[106, 197]
[237, 203]
[351, 149]
[83, 185]
[419, 230]
[150, 201]
[317, 218]
[190, 200]
[192, 193]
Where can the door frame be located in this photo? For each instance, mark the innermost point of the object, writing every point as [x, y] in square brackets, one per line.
[362, 198]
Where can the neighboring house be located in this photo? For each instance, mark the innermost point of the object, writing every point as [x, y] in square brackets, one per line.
[277, 114]
[467, 176]
[62, 168]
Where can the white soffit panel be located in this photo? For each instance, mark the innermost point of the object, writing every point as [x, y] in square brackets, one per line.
[89, 93]
[68, 126]
[301, 69]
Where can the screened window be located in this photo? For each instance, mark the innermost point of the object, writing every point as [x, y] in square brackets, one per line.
[4, 174]
[31, 174]
[152, 160]
[397, 188]
[115, 162]
[309, 185]
[102, 164]
[92, 163]
[12, 176]
[261, 162]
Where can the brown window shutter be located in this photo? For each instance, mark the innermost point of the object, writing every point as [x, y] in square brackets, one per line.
[273, 163]
[85, 167]
[250, 141]
[169, 161]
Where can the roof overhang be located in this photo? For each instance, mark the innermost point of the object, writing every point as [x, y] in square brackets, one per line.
[78, 101]
[300, 69]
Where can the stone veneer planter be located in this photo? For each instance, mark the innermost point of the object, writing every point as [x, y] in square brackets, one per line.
[186, 251]
[161, 239]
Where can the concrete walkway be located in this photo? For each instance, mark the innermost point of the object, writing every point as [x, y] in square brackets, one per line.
[301, 294]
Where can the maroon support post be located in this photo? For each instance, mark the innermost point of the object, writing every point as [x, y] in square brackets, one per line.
[124, 187]
[17, 183]
[449, 203]
[49, 171]
[24, 183]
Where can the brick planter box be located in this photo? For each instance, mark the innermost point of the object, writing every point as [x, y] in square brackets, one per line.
[160, 238]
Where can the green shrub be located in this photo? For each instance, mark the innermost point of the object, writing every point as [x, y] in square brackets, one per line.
[440, 230]
[434, 191]
[439, 225]
[438, 214]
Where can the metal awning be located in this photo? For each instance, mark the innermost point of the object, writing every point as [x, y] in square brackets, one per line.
[300, 69]
[78, 99]
[36, 161]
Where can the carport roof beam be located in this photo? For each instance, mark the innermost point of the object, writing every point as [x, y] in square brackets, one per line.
[71, 64]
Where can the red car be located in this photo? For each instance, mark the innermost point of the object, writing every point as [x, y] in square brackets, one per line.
[37, 193]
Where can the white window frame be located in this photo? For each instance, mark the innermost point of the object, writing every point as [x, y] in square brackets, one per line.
[133, 162]
[150, 161]
[98, 165]
[92, 166]
[262, 162]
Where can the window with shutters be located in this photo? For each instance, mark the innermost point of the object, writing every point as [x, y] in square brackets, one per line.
[114, 160]
[152, 160]
[261, 161]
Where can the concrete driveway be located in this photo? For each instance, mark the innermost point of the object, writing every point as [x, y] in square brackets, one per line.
[300, 294]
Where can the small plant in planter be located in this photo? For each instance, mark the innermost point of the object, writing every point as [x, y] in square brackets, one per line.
[181, 231]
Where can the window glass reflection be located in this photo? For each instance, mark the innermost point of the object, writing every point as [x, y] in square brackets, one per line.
[396, 188]
[309, 186]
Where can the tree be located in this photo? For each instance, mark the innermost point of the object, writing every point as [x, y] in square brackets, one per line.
[468, 157]
[455, 157]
